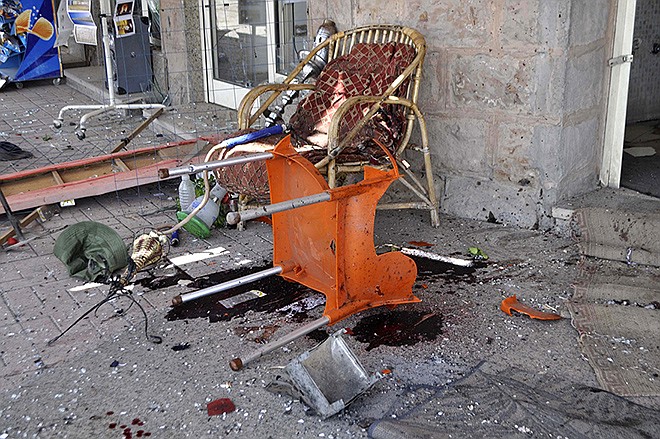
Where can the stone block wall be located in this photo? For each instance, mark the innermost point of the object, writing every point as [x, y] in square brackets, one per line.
[644, 90]
[182, 50]
[514, 96]
[585, 95]
[514, 92]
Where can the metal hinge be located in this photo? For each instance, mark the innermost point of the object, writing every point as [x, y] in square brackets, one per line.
[619, 60]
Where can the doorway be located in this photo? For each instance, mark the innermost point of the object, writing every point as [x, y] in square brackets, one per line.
[249, 42]
[631, 156]
[640, 168]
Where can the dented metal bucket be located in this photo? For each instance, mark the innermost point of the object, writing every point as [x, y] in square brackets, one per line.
[329, 376]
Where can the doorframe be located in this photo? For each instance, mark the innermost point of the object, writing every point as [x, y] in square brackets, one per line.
[233, 93]
[617, 102]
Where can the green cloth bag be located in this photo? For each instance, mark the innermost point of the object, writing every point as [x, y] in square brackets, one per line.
[91, 251]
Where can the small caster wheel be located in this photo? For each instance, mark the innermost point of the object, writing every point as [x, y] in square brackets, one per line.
[57, 123]
[80, 134]
[19, 85]
[57, 81]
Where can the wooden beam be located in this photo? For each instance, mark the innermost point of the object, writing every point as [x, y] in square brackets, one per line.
[24, 222]
[121, 165]
[57, 177]
[126, 140]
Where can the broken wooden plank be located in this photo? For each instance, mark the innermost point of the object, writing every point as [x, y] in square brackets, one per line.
[126, 140]
[22, 223]
[98, 175]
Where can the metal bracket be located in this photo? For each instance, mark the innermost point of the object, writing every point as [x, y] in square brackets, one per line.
[619, 60]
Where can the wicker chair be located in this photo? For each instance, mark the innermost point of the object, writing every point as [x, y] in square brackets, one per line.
[401, 95]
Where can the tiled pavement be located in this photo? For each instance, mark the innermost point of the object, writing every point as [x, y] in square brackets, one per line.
[38, 298]
[26, 118]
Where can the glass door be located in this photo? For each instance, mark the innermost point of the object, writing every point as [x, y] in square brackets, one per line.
[249, 42]
[290, 34]
[238, 48]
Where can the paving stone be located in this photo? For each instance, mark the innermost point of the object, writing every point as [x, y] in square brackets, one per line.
[9, 271]
[38, 271]
[18, 254]
[95, 211]
[43, 246]
[17, 354]
[23, 302]
[39, 332]
[6, 315]
[8, 381]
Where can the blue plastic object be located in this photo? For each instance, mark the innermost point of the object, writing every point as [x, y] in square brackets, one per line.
[174, 239]
[251, 137]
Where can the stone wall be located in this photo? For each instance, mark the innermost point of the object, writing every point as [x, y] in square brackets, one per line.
[585, 95]
[644, 91]
[182, 50]
[514, 95]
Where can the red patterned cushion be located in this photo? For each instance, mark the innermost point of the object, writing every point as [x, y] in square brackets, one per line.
[367, 70]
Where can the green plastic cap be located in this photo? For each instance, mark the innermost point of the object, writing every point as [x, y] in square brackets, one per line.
[194, 226]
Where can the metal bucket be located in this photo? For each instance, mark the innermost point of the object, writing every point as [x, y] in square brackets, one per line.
[329, 376]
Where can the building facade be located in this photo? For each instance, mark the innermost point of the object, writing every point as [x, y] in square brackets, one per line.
[515, 92]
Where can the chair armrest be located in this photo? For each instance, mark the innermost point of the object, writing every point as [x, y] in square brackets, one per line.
[335, 147]
[246, 118]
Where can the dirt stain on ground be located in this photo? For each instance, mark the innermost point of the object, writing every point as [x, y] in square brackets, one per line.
[278, 293]
[397, 328]
[391, 328]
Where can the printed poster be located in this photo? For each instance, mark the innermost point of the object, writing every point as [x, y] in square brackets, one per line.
[123, 18]
[84, 29]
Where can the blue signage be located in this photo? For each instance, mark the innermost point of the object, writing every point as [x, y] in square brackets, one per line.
[27, 37]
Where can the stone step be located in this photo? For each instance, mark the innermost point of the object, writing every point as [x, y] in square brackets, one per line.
[616, 224]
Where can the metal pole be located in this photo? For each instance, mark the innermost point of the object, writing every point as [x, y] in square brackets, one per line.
[194, 169]
[178, 300]
[105, 39]
[246, 215]
[238, 363]
[428, 255]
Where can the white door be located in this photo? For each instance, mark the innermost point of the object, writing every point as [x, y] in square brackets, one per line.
[615, 123]
[244, 42]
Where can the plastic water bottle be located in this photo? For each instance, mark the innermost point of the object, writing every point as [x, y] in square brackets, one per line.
[186, 192]
[209, 212]
[218, 193]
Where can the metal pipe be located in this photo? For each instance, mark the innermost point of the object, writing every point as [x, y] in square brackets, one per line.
[428, 255]
[105, 38]
[238, 363]
[178, 300]
[194, 169]
[246, 215]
